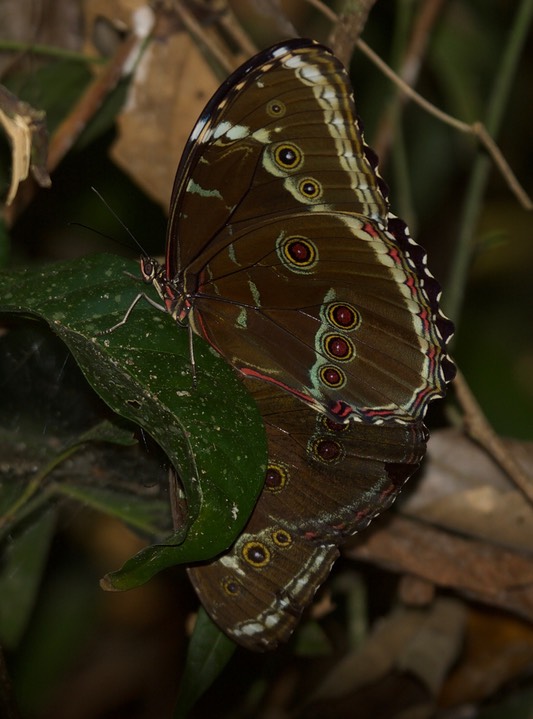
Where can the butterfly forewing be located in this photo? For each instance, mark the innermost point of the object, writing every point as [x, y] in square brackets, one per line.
[278, 216]
[282, 118]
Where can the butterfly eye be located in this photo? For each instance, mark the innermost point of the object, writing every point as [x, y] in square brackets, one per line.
[276, 108]
[311, 189]
[288, 157]
[148, 269]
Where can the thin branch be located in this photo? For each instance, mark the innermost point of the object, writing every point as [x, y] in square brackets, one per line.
[514, 45]
[475, 129]
[479, 429]
[87, 106]
[197, 31]
[409, 71]
[348, 28]
[50, 51]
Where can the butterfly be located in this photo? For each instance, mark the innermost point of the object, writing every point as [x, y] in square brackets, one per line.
[282, 253]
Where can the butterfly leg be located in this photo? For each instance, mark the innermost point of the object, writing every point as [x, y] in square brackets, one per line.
[140, 296]
[191, 355]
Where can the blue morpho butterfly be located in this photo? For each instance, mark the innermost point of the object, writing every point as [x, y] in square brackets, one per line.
[283, 255]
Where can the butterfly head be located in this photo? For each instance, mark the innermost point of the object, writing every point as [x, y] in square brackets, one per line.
[177, 302]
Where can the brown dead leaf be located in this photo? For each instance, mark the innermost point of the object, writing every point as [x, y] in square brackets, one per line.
[465, 527]
[475, 569]
[25, 128]
[464, 491]
[150, 138]
[498, 648]
[420, 643]
[19, 135]
[170, 88]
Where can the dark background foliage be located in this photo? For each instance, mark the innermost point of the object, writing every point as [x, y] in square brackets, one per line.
[124, 653]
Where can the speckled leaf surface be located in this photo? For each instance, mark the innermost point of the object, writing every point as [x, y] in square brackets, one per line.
[211, 431]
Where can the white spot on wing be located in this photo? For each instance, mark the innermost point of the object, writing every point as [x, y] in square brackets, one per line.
[232, 132]
[197, 129]
[195, 189]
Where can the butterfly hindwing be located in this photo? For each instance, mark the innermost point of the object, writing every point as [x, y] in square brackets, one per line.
[324, 482]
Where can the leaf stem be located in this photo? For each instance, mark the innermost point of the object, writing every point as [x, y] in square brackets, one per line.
[33, 486]
[51, 51]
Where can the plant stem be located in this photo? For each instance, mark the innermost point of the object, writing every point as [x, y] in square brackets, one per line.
[480, 172]
[56, 52]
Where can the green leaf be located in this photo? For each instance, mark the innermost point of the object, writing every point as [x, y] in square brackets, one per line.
[208, 653]
[137, 512]
[23, 563]
[107, 432]
[142, 371]
[64, 624]
[54, 87]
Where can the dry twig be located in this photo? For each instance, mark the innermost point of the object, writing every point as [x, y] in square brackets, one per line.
[479, 429]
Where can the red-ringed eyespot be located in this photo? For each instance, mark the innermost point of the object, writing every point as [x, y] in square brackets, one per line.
[287, 156]
[327, 450]
[338, 348]
[331, 426]
[332, 377]
[256, 554]
[299, 252]
[343, 316]
[276, 478]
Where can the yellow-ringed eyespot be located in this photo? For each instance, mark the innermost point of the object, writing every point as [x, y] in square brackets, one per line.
[256, 554]
[332, 377]
[309, 188]
[287, 156]
[276, 478]
[338, 347]
[282, 538]
[343, 316]
[230, 586]
[300, 252]
[327, 450]
[276, 108]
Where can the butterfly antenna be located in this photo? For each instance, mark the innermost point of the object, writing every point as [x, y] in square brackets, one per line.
[94, 231]
[119, 220]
